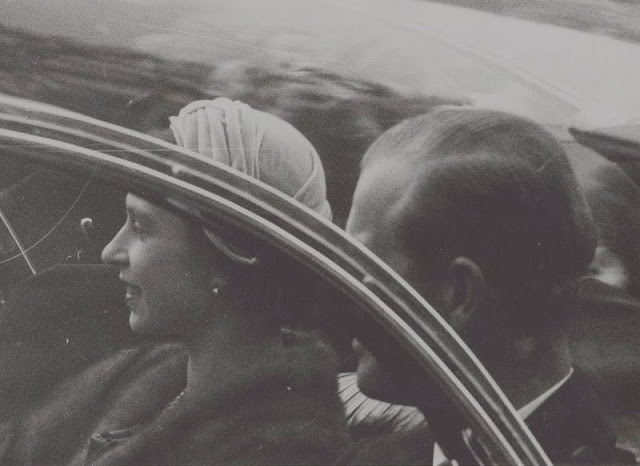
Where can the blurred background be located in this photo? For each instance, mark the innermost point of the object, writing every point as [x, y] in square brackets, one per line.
[342, 72]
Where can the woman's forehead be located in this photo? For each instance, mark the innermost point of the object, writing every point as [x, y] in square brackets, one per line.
[137, 204]
[143, 209]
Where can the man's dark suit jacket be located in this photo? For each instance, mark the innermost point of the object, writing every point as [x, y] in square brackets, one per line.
[569, 426]
[572, 429]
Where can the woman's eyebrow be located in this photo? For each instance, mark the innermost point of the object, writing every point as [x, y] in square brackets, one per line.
[139, 212]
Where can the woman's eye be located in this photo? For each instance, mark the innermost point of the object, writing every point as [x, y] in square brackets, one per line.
[136, 227]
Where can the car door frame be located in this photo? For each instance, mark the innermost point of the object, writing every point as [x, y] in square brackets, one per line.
[213, 193]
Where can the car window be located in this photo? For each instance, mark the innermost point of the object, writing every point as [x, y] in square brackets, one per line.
[51, 217]
[134, 64]
[85, 326]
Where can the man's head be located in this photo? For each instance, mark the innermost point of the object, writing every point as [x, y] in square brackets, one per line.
[480, 212]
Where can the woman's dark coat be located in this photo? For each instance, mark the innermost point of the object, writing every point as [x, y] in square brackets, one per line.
[120, 411]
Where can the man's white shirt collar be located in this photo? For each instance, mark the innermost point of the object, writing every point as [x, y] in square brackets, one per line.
[534, 404]
[524, 412]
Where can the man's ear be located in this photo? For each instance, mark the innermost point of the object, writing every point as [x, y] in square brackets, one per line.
[464, 292]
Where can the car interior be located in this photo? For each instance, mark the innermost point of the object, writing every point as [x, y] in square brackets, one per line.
[55, 221]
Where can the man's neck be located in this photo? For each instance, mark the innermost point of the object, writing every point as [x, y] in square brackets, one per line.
[524, 379]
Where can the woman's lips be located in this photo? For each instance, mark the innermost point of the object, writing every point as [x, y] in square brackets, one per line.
[132, 294]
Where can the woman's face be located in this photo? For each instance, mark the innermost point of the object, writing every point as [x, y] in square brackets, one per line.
[168, 283]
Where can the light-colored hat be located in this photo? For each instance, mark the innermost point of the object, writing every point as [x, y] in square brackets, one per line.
[256, 143]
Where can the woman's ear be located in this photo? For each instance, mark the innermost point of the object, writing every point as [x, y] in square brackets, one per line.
[464, 293]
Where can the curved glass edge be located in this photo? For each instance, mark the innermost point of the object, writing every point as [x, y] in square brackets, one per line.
[202, 185]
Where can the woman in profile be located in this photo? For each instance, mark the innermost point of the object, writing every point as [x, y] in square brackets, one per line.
[253, 393]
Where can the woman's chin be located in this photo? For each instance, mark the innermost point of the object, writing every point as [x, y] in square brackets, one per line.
[135, 323]
[138, 321]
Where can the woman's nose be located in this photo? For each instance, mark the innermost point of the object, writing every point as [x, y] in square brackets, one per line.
[115, 253]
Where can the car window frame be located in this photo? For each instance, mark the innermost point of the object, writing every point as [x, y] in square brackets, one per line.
[211, 193]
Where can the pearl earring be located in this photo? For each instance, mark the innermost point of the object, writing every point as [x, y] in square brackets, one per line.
[216, 291]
